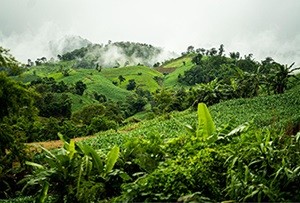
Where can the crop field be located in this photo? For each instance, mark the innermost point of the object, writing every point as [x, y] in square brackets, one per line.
[276, 111]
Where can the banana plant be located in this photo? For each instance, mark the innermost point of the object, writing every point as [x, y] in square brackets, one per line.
[207, 131]
[70, 169]
[279, 77]
[205, 128]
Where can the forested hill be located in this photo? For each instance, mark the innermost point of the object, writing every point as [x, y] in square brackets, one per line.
[116, 54]
[66, 44]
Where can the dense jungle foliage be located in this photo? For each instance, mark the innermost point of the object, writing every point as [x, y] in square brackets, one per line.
[227, 131]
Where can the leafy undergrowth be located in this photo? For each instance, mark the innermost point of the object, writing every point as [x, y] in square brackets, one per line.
[248, 150]
[216, 164]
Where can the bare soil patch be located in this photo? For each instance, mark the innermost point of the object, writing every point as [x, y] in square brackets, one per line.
[165, 70]
[53, 144]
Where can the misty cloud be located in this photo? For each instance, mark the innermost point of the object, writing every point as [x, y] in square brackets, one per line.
[268, 44]
[32, 44]
[120, 54]
[66, 44]
[262, 27]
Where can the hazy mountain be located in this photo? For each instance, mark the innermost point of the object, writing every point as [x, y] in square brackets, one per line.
[66, 44]
[118, 54]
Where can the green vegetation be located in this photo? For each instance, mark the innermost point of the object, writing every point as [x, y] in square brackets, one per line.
[8, 63]
[277, 111]
[143, 76]
[178, 62]
[16, 114]
[113, 55]
[82, 162]
[215, 129]
[171, 79]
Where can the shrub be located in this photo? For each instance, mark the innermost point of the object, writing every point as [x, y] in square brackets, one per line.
[131, 85]
[100, 123]
[86, 114]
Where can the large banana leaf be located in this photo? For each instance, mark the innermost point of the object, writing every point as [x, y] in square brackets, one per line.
[112, 158]
[206, 126]
[87, 150]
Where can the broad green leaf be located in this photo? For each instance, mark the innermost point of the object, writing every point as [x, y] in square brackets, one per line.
[71, 149]
[34, 164]
[44, 192]
[297, 136]
[112, 158]
[96, 158]
[125, 176]
[49, 153]
[61, 137]
[239, 129]
[89, 151]
[81, 168]
[82, 148]
[206, 126]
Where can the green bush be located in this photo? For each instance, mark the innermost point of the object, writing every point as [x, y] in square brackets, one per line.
[86, 114]
[100, 123]
[46, 129]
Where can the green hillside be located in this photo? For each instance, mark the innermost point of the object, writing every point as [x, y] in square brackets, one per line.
[180, 65]
[163, 144]
[46, 70]
[178, 62]
[96, 82]
[78, 102]
[116, 54]
[142, 75]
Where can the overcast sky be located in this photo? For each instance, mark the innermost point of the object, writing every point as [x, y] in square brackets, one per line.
[262, 27]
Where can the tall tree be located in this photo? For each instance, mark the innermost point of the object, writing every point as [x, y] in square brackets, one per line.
[8, 63]
[16, 115]
[221, 50]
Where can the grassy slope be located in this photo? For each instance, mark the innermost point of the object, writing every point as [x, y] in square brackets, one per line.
[276, 110]
[78, 101]
[96, 82]
[100, 82]
[145, 80]
[171, 79]
[177, 62]
[46, 70]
